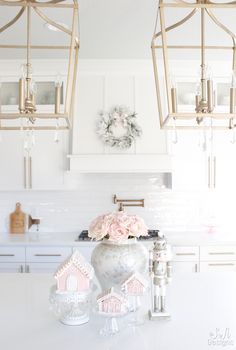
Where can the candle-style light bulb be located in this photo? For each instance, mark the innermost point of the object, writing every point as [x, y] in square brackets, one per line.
[210, 89]
[22, 82]
[233, 79]
[33, 92]
[23, 71]
[232, 93]
[58, 85]
[197, 96]
[174, 95]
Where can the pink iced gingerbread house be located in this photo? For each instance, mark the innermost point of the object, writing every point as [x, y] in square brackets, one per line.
[136, 284]
[74, 274]
[111, 302]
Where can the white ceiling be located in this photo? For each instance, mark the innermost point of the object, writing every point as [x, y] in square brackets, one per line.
[108, 28]
[113, 29]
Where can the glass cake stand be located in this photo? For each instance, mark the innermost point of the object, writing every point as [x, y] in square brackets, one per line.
[72, 308]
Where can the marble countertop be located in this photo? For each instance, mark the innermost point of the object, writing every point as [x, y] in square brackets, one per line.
[205, 313]
[181, 238]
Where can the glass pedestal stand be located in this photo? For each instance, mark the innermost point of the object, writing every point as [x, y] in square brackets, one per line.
[72, 308]
[135, 318]
[111, 326]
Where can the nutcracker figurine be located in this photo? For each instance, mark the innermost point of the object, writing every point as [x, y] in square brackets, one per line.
[160, 270]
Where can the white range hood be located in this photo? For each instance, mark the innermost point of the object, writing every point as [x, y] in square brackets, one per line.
[120, 163]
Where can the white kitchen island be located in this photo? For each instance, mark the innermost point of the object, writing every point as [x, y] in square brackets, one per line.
[203, 308]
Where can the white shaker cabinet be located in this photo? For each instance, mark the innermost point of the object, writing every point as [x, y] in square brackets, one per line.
[42, 168]
[12, 267]
[12, 170]
[101, 86]
[48, 160]
[215, 266]
[41, 267]
[185, 259]
[12, 259]
[189, 161]
[45, 259]
[185, 267]
[199, 166]
[46, 254]
[218, 258]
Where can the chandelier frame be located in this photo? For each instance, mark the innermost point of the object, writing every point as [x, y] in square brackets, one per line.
[31, 115]
[204, 103]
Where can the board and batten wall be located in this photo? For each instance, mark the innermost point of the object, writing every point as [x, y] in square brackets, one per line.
[103, 84]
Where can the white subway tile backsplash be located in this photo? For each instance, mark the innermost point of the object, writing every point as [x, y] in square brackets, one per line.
[63, 211]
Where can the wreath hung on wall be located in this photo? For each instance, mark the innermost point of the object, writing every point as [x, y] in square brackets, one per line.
[118, 127]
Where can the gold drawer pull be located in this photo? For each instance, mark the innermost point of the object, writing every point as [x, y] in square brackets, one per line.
[221, 253]
[185, 254]
[47, 254]
[7, 254]
[221, 264]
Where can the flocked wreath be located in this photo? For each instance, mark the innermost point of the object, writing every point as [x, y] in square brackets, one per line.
[118, 128]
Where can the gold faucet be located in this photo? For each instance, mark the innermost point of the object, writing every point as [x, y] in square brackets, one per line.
[127, 202]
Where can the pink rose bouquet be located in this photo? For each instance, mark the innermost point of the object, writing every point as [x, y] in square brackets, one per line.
[117, 227]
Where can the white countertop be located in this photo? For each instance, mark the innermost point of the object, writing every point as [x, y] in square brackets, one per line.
[199, 304]
[181, 238]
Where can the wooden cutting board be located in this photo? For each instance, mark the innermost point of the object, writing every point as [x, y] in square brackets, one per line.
[18, 220]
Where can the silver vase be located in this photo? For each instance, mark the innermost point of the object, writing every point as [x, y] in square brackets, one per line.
[114, 262]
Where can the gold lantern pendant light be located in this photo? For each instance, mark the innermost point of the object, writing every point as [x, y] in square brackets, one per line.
[205, 109]
[61, 119]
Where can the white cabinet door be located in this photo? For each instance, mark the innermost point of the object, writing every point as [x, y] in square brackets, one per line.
[43, 168]
[217, 266]
[52, 254]
[185, 253]
[185, 267]
[41, 267]
[189, 162]
[218, 253]
[12, 267]
[48, 160]
[11, 161]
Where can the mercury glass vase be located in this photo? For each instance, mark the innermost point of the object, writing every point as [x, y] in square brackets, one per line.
[114, 262]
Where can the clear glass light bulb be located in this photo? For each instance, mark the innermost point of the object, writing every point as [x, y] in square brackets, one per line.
[198, 89]
[173, 81]
[209, 72]
[58, 80]
[233, 79]
[33, 87]
[23, 70]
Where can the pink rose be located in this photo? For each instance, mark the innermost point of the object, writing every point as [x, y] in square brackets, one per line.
[117, 227]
